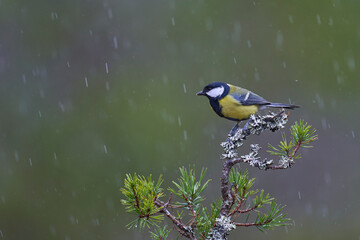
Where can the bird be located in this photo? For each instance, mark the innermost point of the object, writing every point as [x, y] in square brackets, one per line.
[236, 103]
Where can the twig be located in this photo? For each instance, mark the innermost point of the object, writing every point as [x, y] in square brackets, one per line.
[192, 221]
[138, 203]
[253, 224]
[239, 205]
[182, 228]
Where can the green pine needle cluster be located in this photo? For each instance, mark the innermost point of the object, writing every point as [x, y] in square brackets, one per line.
[302, 134]
[160, 233]
[206, 219]
[188, 189]
[274, 218]
[241, 183]
[140, 195]
[241, 186]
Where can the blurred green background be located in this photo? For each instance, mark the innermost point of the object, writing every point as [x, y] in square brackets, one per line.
[92, 90]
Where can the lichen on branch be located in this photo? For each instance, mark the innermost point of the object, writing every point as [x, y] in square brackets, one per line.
[239, 206]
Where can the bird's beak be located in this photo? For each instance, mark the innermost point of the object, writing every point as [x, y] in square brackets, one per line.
[200, 93]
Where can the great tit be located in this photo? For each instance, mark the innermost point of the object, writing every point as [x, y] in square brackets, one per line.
[236, 103]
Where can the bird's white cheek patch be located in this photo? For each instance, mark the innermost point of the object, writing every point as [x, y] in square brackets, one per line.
[216, 92]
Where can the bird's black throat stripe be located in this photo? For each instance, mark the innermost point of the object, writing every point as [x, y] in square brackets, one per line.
[216, 106]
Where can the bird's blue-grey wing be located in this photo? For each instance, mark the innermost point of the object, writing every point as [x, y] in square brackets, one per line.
[249, 98]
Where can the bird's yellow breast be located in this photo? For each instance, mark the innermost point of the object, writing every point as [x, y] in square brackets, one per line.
[231, 108]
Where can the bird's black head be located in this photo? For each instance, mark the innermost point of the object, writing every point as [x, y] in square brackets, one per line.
[215, 90]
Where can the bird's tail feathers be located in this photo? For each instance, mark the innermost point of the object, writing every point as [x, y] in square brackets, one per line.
[282, 105]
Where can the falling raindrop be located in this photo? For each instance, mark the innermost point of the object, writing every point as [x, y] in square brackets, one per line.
[325, 210]
[331, 21]
[291, 19]
[209, 24]
[42, 94]
[340, 79]
[115, 42]
[110, 14]
[279, 39]
[16, 155]
[236, 32]
[1, 234]
[30, 162]
[353, 133]
[327, 178]
[336, 66]
[68, 64]
[185, 135]
[320, 101]
[39, 114]
[234, 60]
[318, 19]
[106, 68]
[107, 85]
[86, 82]
[72, 220]
[62, 107]
[165, 79]
[132, 105]
[184, 88]
[105, 149]
[249, 43]
[54, 16]
[284, 64]
[52, 230]
[55, 157]
[24, 78]
[179, 121]
[256, 75]
[299, 195]
[351, 63]
[323, 123]
[173, 21]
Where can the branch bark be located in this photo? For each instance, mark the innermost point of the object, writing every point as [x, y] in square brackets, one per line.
[182, 228]
[255, 125]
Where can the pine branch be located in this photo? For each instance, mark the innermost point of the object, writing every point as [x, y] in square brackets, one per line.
[255, 125]
[182, 228]
[253, 223]
[143, 194]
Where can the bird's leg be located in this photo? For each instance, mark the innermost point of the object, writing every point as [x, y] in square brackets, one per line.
[234, 129]
[245, 129]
